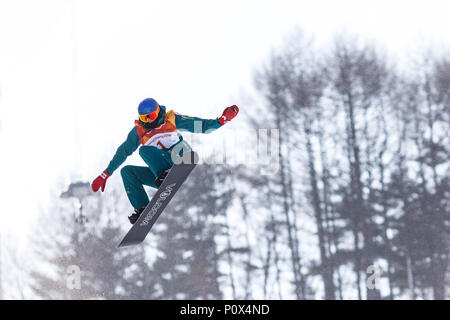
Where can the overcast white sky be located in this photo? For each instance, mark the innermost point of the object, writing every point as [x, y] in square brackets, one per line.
[73, 72]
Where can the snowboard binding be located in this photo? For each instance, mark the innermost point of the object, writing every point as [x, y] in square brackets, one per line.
[137, 212]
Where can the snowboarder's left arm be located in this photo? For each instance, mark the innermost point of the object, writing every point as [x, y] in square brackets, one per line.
[199, 125]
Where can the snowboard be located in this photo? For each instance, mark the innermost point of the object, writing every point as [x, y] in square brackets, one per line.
[174, 179]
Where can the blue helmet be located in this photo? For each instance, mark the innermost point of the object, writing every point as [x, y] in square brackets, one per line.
[147, 105]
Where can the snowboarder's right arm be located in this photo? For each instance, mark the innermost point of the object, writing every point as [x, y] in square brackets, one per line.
[125, 149]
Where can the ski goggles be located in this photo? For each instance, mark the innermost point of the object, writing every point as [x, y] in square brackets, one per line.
[149, 117]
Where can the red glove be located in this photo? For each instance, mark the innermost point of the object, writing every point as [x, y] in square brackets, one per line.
[100, 181]
[228, 114]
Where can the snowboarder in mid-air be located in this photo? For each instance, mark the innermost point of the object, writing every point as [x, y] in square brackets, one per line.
[156, 131]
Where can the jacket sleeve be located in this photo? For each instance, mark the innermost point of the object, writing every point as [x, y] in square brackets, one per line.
[124, 151]
[196, 125]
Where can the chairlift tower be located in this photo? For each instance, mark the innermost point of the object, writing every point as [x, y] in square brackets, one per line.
[80, 191]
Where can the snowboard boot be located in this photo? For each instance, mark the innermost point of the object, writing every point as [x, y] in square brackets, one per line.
[161, 177]
[137, 212]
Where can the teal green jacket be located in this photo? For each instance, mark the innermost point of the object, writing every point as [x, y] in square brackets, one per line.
[132, 142]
